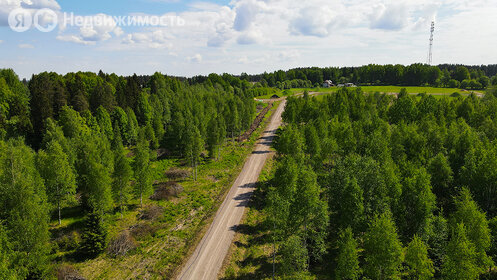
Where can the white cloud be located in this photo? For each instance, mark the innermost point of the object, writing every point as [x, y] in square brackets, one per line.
[288, 55]
[426, 15]
[390, 17]
[6, 6]
[1, 41]
[313, 21]
[243, 60]
[26, 46]
[158, 39]
[99, 27]
[246, 12]
[250, 37]
[265, 35]
[197, 58]
[118, 31]
[40, 4]
[74, 39]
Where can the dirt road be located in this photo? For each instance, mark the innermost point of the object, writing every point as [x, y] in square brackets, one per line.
[207, 259]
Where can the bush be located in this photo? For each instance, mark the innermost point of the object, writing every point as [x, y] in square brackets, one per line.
[176, 173]
[455, 94]
[122, 244]
[67, 272]
[69, 241]
[150, 213]
[167, 190]
[454, 84]
[142, 230]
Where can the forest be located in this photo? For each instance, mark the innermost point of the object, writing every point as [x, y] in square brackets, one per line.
[90, 140]
[446, 75]
[376, 186]
[366, 185]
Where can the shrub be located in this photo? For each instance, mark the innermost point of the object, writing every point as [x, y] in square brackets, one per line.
[122, 244]
[455, 94]
[150, 213]
[142, 230]
[176, 173]
[69, 241]
[166, 191]
[67, 272]
[454, 83]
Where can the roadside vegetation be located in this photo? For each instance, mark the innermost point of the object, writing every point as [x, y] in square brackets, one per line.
[376, 186]
[107, 176]
[110, 177]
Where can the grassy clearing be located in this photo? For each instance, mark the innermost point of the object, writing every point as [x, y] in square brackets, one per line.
[279, 93]
[411, 90]
[165, 241]
[389, 89]
[436, 92]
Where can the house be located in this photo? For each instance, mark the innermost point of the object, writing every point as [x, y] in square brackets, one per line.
[327, 84]
[346, 85]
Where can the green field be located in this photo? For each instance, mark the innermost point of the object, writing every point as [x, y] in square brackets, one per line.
[391, 89]
[381, 89]
[320, 92]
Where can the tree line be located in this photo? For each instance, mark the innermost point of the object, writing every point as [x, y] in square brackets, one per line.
[375, 186]
[83, 138]
[452, 76]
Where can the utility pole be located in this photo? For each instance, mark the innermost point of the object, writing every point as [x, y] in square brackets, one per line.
[430, 54]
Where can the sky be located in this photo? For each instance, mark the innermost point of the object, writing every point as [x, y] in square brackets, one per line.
[252, 36]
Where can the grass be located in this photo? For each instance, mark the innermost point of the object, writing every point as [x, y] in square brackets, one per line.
[436, 92]
[279, 93]
[251, 252]
[389, 89]
[411, 90]
[175, 232]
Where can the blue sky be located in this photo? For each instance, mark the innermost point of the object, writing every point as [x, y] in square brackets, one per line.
[250, 36]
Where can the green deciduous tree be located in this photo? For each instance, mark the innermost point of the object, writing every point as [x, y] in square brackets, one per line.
[294, 256]
[143, 109]
[291, 142]
[120, 119]
[476, 227]
[382, 249]
[194, 147]
[94, 167]
[215, 136]
[461, 73]
[348, 257]
[58, 174]
[121, 177]
[132, 127]
[141, 168]
[9, 262]
[417, 202]
[419, 265]
[105, 123]
[461, 260]
[350, 211]
[441, 180]
[23, 207]
[308, 213]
